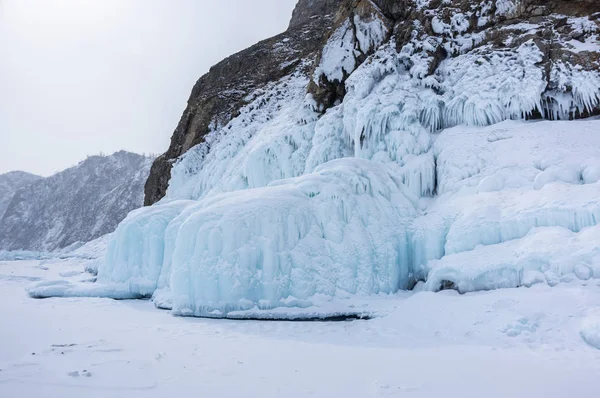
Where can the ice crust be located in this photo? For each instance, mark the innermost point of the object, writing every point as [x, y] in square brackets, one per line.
[413, 177]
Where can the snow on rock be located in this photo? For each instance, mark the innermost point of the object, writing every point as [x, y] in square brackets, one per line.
[393, 98]
[268, 141]
[10, 183]
[506, 8]
[371, 29]
[357, 35]
[339, 54]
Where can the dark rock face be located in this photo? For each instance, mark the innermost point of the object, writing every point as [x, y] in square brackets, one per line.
[434, 29]
[307, 9]
[79, 204]
[218, 95]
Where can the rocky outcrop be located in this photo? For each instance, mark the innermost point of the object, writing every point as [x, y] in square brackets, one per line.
[217, 96]
[11, 183]
[76, 205]
[543, 54]
[445, 29]
[306, 10]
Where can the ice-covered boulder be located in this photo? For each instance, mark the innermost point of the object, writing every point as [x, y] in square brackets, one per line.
[545, 255]
[494, 223]
[339, 230]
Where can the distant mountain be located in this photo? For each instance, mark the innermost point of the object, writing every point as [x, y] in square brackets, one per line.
[76, 205]
[11, 183]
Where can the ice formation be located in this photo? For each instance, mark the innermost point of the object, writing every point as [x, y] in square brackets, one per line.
[341, 229]
[590, 331]
[414, 176]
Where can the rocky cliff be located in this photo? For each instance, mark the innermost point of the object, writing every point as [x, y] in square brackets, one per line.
[218, 96]
[75, 205]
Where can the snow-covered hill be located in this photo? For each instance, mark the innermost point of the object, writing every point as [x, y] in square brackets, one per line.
[76, 205]
[409, 152]
[10, 183]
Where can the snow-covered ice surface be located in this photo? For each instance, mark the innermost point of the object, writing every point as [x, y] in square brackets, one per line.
[526, 342]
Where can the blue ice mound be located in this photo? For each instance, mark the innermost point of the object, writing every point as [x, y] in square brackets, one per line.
[339, 231]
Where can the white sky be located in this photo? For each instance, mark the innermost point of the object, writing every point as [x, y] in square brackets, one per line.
[80, 77]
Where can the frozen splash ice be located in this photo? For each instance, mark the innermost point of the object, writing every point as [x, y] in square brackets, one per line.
[338, 231]
[357, 227]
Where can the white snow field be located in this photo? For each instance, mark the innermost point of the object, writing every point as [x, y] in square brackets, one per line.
[525, 342]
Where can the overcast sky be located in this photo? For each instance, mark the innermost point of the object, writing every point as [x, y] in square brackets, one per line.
[80, 77]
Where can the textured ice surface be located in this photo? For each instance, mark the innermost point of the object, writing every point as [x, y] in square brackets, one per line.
[497, 184]
[270, 140]
[340, 230]
[63, 288]
[544, 255]
[516, 204]
[336, 232]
